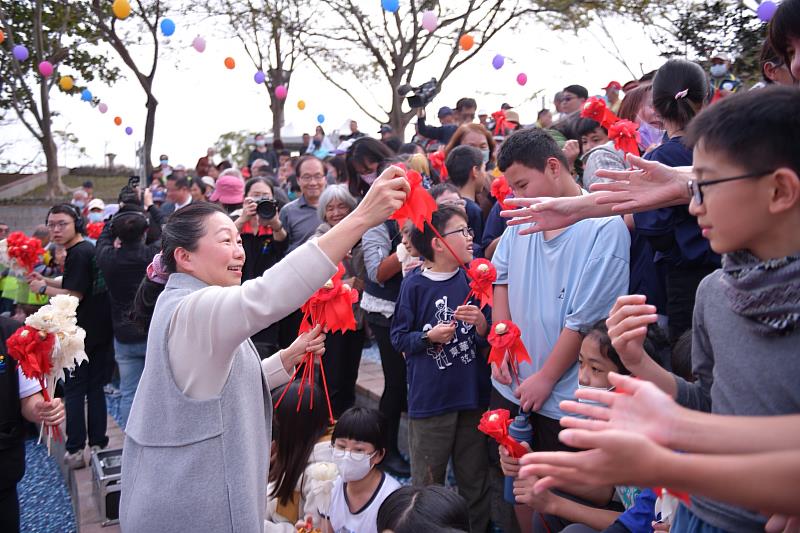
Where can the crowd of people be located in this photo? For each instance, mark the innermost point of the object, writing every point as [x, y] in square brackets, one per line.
[676, 264]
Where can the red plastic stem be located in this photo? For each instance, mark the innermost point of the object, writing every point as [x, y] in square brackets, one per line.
[325, 387]
[46, 395]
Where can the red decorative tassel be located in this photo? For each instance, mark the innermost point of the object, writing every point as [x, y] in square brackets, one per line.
[505, 337]
[419, 204]
[682, 496]
[625, 135]
[495, 424]
[596, 109]
[500, 122]
[94, 229]
[25, 251]
[436, 160]
[501, 190]
[483, 275]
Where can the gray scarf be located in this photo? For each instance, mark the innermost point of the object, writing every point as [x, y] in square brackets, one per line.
[766, 292]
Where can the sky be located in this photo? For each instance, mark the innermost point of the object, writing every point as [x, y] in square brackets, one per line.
[199, 99]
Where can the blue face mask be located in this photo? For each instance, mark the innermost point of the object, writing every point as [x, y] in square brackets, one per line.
[164, 162]
[78, 203]
[261, 143]
[95, 217]
[486, 155]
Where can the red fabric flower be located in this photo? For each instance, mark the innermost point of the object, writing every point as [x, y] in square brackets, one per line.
[501, 190]
[437, 163]
[25, 251]
[500, 122]
[495, 424]
[419, 204]
[94, 229]
[625, 135]
[505, 337]
[331, 306]
[32, 350]
[682, 496]
[596, 109]
[482, 275]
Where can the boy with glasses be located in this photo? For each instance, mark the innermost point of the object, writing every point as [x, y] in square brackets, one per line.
[746, 197]
[448, 383]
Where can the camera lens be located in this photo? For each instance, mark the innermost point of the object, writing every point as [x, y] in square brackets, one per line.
[266, 209]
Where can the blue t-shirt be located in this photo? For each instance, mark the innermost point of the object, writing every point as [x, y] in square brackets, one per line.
[570, 281]
[447, 378]
[689, 247]
[494, 227]
[475, 221]
[639, 517]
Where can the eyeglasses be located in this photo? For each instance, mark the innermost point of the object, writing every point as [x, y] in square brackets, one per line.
[338, 453]
[57, 225]
[310, 177]
[465, 231]
[696, 187]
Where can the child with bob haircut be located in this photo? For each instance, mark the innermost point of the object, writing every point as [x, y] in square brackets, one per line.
[448, 383]
[746, 197]
[359, 445]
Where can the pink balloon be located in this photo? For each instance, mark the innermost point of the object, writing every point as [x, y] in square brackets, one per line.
[522, 78]
[429, 21]
[102, 107]
[45, 68]
[199, 44]
[280, 92]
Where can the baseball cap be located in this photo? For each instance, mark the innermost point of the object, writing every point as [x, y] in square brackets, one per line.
[209, 181]
[385, 128]
[613, 85]
[506, 106]
[483, 113]
[229, 190]
[96, 203]
[512, 116]
[88, 184]
[722, 55]
[445, 111]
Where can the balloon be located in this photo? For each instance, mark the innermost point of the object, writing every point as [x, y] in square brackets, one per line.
[117, 121]
[429, 21]
[86, 95]
[498, 61]
[466, 41]
[66, 83]
[2, 37]
[102, 107]
[259, 77]
[20, 53]
[167, 27]
[320, 118]
[522, 78]
[230, 64]
[45, 68]
[280, 92]
[121, 9]
[301, 104]
[390, 5]
[766, 10]
[128, 130]
[199, 44]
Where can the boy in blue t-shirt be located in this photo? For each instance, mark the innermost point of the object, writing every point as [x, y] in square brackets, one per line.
[448, 382]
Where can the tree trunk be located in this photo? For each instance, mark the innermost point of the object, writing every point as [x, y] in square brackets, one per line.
[396, 119]
[276, 106]
[55, 187]
[149, 128]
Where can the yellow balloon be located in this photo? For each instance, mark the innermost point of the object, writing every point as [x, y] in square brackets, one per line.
[121, 9]
[66, 83]
[301, 104]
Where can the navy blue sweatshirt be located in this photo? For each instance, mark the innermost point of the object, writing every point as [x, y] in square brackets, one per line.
[441, 379]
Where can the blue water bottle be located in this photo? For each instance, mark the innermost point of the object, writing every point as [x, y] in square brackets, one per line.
[521, 431]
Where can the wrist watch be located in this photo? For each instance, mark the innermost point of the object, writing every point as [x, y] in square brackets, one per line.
[43, 289]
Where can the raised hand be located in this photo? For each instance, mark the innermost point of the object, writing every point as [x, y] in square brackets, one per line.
[311, 341]
[627, 328]
[545, 214]
[385, 196]
[649, 185]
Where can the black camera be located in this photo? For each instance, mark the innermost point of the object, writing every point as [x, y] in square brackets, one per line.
[423, 95]
[266, 208]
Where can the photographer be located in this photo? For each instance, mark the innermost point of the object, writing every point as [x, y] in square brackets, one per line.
[464, 114]
[131, 197]
[265, 243]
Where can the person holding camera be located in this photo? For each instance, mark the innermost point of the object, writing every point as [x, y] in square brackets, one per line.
[265, 242]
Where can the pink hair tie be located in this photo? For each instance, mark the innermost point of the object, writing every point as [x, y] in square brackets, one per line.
[156, 272]
[681, 94]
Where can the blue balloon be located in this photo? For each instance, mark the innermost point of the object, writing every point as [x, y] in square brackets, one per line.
[20, 53]
[320, 118]
[167, 27]
[766, 10]
[259, 77]
[86, 95]
[498, 61]
[390, 5]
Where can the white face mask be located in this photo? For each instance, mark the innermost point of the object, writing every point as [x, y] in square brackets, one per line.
[592, 402]
[719, 70]
[486, 155]
[369, 178]
[78, 203]
[95, 217]
[350, 468]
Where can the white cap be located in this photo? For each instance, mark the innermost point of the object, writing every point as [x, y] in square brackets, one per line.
[96, 203]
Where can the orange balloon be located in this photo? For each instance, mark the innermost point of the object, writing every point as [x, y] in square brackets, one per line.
[2, 37]
[117, 121]
[466, 41]
[230, 64]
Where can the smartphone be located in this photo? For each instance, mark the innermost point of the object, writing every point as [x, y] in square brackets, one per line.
[133, 181]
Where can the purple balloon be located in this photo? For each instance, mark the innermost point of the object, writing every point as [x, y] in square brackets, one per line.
[259, 77]
[20, 53]
[128, 131]
[766, 10]
[498, 61]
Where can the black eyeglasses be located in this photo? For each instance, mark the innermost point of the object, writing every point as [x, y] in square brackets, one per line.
[465, 231]
[696, 187]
